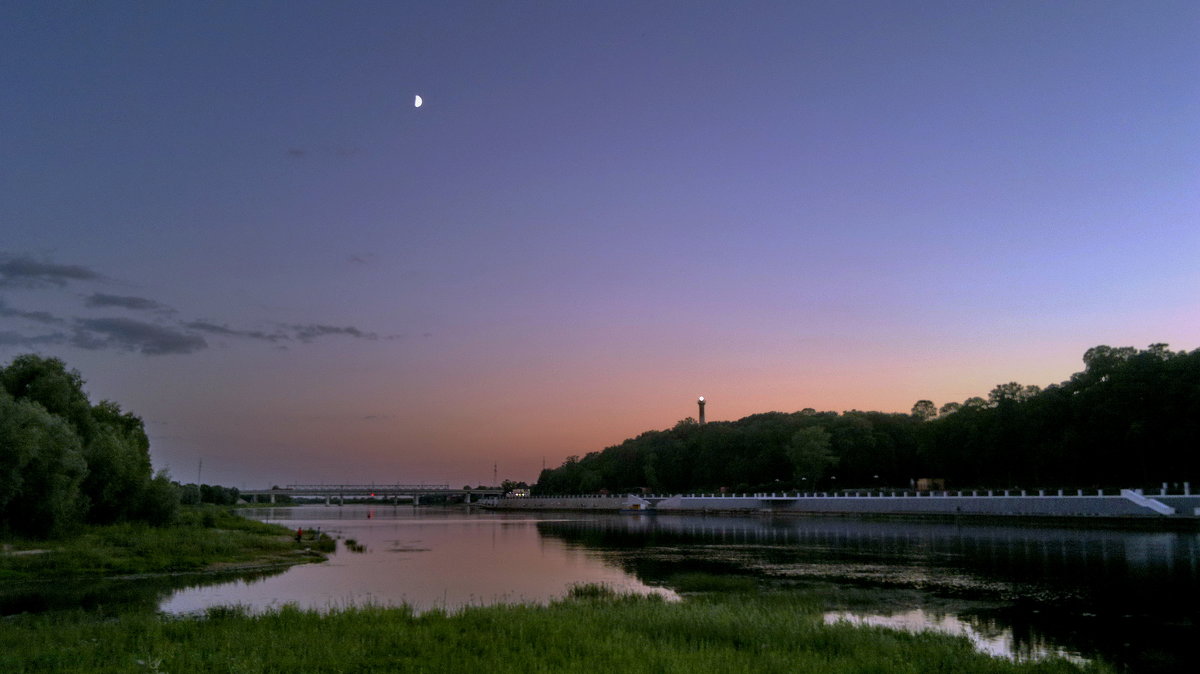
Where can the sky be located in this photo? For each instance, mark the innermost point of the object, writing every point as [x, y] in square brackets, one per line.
[233, 221]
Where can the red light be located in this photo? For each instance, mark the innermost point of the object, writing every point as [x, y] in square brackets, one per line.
[372, 495]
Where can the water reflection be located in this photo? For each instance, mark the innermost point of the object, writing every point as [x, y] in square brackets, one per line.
[111, 595]
[987, 638]
[1116, 594]
[1132, 567]
[425, 558]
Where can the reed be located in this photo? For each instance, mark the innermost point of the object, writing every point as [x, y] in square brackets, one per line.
[592, 630]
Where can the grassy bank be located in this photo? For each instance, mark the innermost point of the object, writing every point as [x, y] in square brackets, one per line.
[593, 631]
[203, 538]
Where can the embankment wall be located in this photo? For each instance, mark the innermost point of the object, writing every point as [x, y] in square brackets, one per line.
[1122, 506]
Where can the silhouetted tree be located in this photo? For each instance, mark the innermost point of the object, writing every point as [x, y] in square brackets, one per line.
[82, 462]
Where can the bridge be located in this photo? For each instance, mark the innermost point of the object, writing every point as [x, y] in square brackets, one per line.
[394, 492]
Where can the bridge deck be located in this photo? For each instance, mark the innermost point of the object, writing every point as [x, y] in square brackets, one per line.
[367, 490]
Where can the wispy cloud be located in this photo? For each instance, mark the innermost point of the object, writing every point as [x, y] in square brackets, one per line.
[10, 338]
[307, 333]
[226, 331]
[29, 273]
[38, 316]
[167, 335]
[129, 335]
[126, 302]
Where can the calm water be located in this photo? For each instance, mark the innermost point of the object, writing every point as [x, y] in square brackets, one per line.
[1129, 597]
[427, 558]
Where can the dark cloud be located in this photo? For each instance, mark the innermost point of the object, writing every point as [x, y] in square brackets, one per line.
[130, 335]
[9, 338]
[127, 302]
[38, 316]
[297, 152]
[307, 333]
[226, 331]
[29, 273]
[167, 335]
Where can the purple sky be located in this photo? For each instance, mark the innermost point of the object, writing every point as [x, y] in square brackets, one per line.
[233, 221]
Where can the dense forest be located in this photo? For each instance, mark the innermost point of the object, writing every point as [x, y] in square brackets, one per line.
[1130, 418]
[66, 462]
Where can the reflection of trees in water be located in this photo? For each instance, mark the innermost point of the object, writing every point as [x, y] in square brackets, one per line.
[1116, 594]
[1126, 564]
[111, 595]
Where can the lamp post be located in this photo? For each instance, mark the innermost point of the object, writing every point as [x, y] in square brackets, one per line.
[701, 409]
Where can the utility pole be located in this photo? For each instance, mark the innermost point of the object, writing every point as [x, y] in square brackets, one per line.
[495, 483]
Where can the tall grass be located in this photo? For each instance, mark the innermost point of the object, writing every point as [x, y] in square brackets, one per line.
[595, 631]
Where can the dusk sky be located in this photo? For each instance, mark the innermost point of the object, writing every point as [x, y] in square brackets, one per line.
[232, 219]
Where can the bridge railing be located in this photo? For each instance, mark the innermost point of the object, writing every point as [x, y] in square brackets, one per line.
[368, 487]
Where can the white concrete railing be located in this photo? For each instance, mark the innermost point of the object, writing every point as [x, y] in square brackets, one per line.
[880, 493]
[1157, 506]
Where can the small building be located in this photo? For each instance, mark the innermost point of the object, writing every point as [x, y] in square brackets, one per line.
[931, 483]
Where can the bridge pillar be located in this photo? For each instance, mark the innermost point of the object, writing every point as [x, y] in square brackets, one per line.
[416, 500]
[467, 498]
[326, 501]
[272, 499]
[341, 499]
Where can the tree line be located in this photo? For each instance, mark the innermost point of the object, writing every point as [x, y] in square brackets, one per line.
[1130, 417]
[195, 494]
[66, 462]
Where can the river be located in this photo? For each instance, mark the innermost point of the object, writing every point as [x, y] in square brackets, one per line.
[1126, 596]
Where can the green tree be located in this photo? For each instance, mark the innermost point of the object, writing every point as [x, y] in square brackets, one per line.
[92, 462]
[41, 467]
[809, 453]
[158, 501]
[924, 410]
[48, 382]
[118, 458]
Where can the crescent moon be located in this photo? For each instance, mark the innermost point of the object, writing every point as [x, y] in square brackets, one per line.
[417, 103]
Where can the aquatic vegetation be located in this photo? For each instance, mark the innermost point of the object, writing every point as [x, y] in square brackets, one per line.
[710, 582]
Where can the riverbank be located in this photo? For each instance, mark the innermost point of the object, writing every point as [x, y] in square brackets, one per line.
[1112, 506]
[203, 539]
[594, 629]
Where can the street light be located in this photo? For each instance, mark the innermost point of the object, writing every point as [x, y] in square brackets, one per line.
[701, 409]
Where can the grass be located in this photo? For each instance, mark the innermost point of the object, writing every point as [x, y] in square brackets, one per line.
[593, 630]
[204, 538]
